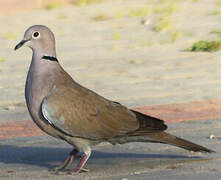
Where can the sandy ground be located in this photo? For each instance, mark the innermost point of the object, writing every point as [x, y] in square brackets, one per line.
[120, 58]
[21, 6]
[116, 49]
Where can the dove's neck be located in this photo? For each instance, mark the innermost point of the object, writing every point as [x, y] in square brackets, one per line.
[40, 79]
[38, 54]
[43, 63]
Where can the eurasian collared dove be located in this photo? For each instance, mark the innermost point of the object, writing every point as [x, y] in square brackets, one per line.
[64, 109]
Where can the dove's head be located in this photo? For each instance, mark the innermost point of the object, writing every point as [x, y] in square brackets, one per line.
[38, 38]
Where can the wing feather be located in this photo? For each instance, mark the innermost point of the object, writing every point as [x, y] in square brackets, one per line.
[80, 112]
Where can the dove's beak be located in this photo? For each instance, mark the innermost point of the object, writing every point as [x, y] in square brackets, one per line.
[20, 44]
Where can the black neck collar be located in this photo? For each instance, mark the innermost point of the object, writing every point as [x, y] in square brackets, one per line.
[50, 58]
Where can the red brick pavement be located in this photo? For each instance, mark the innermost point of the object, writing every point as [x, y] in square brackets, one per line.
[200, 110]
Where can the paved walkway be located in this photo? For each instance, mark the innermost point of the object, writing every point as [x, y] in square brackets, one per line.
[27, 153]
[31, 157]
[126, 61]
[182, 112]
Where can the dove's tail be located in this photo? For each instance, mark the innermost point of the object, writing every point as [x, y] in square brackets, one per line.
[152, 130]
[163, 137]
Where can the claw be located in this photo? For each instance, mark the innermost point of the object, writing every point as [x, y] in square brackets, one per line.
[80, 167]
[67, 162]
[82, 170]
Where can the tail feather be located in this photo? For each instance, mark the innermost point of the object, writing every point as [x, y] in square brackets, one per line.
[163, 137]
[152, 130]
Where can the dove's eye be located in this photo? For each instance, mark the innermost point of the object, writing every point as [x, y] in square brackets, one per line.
[36, 35]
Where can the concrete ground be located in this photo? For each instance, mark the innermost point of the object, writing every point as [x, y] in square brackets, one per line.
[118, 50]
[32, 157]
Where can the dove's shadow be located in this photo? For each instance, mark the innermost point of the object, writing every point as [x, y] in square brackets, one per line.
[49, 156]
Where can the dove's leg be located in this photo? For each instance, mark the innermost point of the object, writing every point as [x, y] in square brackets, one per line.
[80, 166]
[68, 161]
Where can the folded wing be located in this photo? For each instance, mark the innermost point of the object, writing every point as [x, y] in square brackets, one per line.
[80, 112]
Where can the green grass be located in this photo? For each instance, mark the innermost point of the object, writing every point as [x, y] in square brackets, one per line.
[116, 36]
[1, 59]
[54, 5]
[133, 46]
[139, 11]
[162, 2]
[146, 43]
[215, 12]
[62, 16]
[174, 35]
[10, 36]
[101, 17]
[166, 10]
[163, 24]
[118, 14]
[134, 61]
[206, 46]
[164, 41]
[218, 2]
[188, 33]
[194, 0]
[216, 31]
[170, 37]
[115, 48]
[86, 2]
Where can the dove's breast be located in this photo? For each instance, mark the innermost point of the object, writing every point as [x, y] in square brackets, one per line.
[37, 87]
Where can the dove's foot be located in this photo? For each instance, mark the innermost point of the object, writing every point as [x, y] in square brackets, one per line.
[82, 170]
[71, 171]
[80, 167]
[67, 162]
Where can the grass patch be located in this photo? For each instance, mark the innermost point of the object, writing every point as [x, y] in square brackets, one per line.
[101, 17]
[194, 0]
[165, 1]
[216, 31]
[174, 35]
[139, 11]
[86, 2]
[134, 61]
[133, 46]
[115, 48]
[54, 5]
[164, 41]
[215, 12]
[146, 44]
[166, 10]
[62, 16]
[10, 36]
[118, 14]
[188, 34]
[171, 37]
[205, 46]
[116, 36]
[163, 24]
[218, 2]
